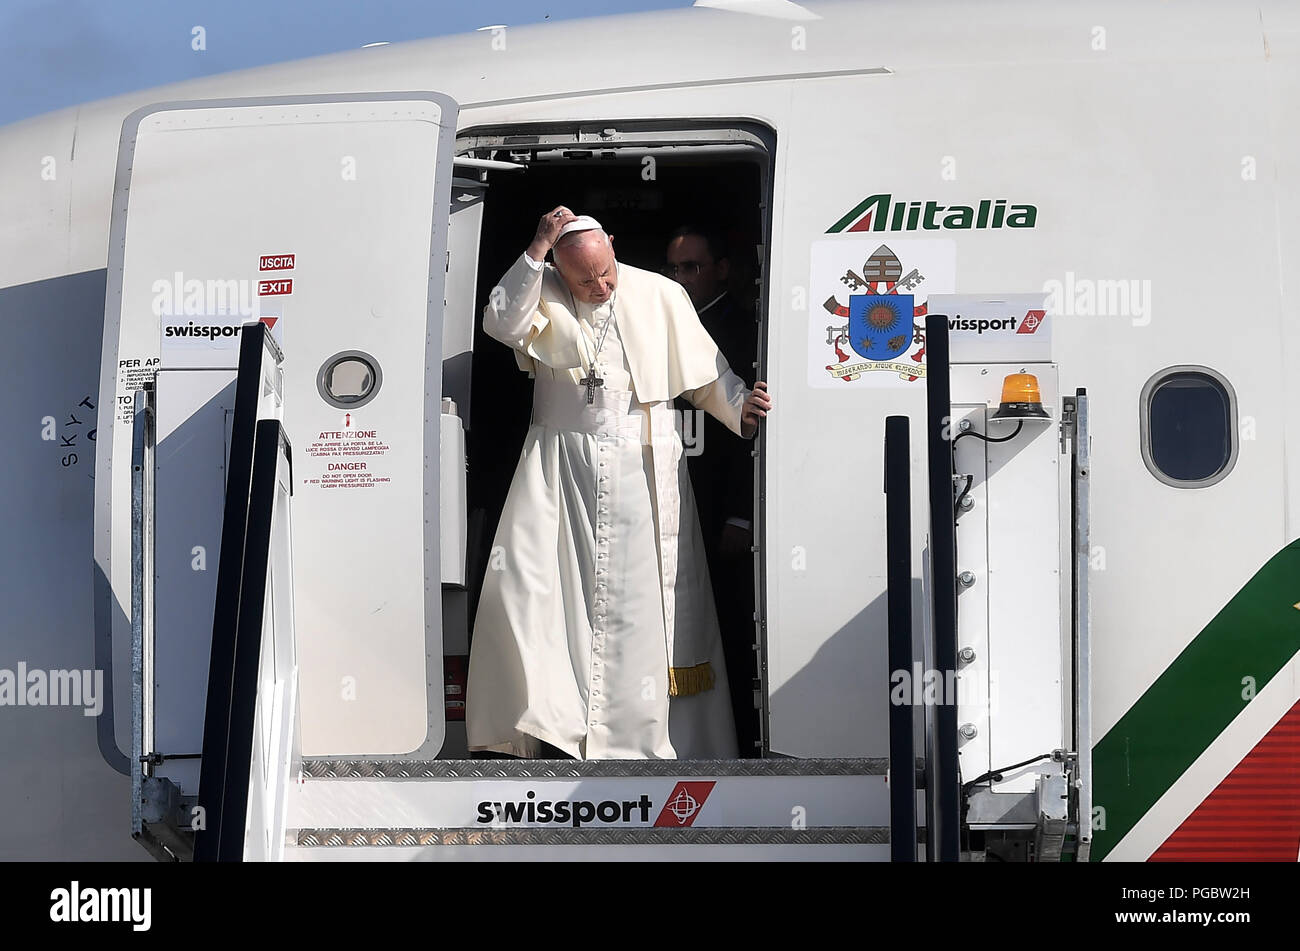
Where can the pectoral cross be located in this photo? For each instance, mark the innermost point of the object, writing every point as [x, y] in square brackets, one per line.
[591, 381]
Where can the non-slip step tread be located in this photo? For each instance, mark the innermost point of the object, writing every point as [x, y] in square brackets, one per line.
[563, 769]
[532, 835]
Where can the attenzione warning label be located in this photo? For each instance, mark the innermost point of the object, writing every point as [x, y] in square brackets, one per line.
[348, 459]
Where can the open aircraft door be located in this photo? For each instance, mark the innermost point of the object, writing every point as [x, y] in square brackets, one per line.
[326, 219]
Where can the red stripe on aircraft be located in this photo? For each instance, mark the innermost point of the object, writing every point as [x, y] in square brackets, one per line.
[1254, 814]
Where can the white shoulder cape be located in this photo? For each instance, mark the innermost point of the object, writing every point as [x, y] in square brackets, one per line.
[668, 349]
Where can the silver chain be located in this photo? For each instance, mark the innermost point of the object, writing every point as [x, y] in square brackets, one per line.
[605, 326]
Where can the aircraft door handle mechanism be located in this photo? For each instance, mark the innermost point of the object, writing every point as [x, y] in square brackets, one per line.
[966, 579]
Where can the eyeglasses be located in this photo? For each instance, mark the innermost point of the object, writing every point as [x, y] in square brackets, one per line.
[687, 269]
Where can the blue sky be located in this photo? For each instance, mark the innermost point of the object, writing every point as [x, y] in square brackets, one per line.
[57, 53]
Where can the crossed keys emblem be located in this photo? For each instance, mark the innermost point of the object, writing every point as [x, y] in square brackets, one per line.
[854, 282]
[877, 319]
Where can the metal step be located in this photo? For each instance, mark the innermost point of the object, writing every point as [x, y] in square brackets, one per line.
[555, 769]
[738, 835]
[491, 809]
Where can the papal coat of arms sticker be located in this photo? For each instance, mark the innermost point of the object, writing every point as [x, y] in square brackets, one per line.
[869, 328]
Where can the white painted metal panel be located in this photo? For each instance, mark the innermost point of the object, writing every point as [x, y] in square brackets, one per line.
[1026, 637]
[276, 750]
[974, 682]
[349, 193]
[452, 498]
[189, 491]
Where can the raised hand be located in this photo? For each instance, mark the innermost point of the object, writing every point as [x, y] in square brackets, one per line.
[548, 230]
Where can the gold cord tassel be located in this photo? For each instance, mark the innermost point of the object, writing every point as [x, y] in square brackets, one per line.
[685, 681]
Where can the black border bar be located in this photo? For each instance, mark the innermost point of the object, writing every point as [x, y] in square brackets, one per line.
[943, 821]
[898, 547]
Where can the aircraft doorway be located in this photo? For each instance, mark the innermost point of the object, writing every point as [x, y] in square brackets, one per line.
[641, 189]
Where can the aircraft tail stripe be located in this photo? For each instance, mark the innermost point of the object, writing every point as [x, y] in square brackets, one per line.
[1196, 697]
[1263, 829]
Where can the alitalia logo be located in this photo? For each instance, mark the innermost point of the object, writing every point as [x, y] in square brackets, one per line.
[882, 213]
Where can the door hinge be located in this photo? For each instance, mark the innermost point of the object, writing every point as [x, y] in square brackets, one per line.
[1069, 414]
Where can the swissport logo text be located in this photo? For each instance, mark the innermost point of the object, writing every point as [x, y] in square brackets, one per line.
[573, 812]
[679, 810]
[1032, 320]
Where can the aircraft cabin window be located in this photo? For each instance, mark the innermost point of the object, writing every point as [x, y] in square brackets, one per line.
[1189, 431]
[349, 379]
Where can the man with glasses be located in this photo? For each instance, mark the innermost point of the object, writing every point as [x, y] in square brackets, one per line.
[722, 469]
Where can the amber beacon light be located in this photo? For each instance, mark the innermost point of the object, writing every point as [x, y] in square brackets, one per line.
[1021, 399]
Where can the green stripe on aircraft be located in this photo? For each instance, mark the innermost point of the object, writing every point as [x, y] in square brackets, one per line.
[1195, 699]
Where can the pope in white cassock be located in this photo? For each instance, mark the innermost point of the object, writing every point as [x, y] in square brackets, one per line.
[596, 629]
